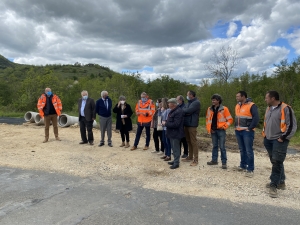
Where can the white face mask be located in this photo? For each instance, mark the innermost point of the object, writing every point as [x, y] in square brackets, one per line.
[122, 102]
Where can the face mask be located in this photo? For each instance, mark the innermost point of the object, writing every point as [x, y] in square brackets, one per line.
[187, 97]
[144, 99]
[156, 104]
[84, 97]
[122, 102]
[49, 93]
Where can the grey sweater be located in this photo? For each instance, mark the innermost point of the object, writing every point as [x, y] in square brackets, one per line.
[272, 120]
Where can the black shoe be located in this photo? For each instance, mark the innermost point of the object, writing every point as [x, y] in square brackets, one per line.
[110, 145]
[91, 143]
[212, 163]
[171, 163]
[184, 156]
[174, 167]
[83, 142]
[101, 144]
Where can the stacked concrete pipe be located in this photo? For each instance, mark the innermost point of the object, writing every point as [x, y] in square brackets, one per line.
[65, 120]
[30, 116]
[39, 120]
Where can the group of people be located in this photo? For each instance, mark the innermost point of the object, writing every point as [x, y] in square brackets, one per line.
[175, 123]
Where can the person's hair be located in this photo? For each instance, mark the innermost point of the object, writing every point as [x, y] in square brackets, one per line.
[122, 97]
[164, 102]
[192, 93]
[217, 97]
[181, 98]
[159, 100]
[103, 93]
[84, 91]
[242, 93]
[144, 93]
[273, 94]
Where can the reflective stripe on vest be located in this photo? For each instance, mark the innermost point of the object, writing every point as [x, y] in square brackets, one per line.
[243, 116]
[282, 119]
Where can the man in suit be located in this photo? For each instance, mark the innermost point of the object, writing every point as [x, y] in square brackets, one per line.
[87, 115]
[103, 108]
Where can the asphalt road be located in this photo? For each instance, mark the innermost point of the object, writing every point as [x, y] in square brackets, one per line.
[11, 120]
[35, 197]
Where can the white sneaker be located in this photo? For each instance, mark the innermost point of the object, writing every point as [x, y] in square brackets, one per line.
[160, 153]
[249, 174]
[154, 151]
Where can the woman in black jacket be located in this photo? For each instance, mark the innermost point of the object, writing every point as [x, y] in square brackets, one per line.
[124, 124]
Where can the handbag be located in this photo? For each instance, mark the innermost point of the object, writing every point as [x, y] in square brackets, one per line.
[159, 126]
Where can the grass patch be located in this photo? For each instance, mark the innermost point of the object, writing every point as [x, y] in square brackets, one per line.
[11, 114]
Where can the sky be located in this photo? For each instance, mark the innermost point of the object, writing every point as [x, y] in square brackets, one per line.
[157, 37]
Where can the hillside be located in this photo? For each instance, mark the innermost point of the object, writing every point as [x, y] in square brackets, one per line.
[72, 71]
[4, 63]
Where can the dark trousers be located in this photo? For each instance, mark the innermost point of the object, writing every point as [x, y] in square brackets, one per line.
[138, 135]
[277, 153]
[124, 133]
[86, 126]
[185, 146]
[175, 144]
[157, 136]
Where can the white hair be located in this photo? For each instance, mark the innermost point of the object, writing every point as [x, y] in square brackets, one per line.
[104, 93]
[84, 91]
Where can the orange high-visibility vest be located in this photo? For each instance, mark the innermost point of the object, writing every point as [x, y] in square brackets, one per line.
[282, 119]
[224, 119]
[55, 101]
[243, 116]
[147, 107]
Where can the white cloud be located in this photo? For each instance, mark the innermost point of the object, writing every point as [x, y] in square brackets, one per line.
[231, 29]
[170, 36]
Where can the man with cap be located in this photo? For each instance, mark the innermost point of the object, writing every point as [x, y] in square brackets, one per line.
[175, 133]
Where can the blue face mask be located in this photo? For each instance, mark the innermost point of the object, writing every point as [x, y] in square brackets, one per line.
[156, 104]
[144, 99]
[49, 93]
[84, 97]
[187, 97]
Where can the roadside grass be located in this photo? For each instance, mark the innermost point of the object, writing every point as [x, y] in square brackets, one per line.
[4, 113]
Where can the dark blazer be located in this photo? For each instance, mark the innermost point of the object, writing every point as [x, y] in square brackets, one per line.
[191, 113]
[127, 111]
[89, 109]
[174, 124]
[101, 109]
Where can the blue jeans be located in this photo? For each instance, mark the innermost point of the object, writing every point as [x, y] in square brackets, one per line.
[218, 140]
[277, 153]
[138, 135]
[245, 140]
[167, 143]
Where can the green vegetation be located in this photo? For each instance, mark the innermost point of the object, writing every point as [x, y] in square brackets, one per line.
[21, 86]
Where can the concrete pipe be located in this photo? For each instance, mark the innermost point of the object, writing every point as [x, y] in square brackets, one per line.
[65, 120]
[39, 120]
[30, 116]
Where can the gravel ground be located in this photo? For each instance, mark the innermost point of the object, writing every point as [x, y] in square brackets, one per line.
[22, 147]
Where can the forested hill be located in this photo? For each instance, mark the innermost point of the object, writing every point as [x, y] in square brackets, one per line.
[21, 85]
[4, 63]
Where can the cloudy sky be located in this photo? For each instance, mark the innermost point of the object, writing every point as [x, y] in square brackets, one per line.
[154, 37]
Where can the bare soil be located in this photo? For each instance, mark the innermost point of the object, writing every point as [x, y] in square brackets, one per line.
[22, 147]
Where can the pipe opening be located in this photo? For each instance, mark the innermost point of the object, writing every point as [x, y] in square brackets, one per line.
[63, 120]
